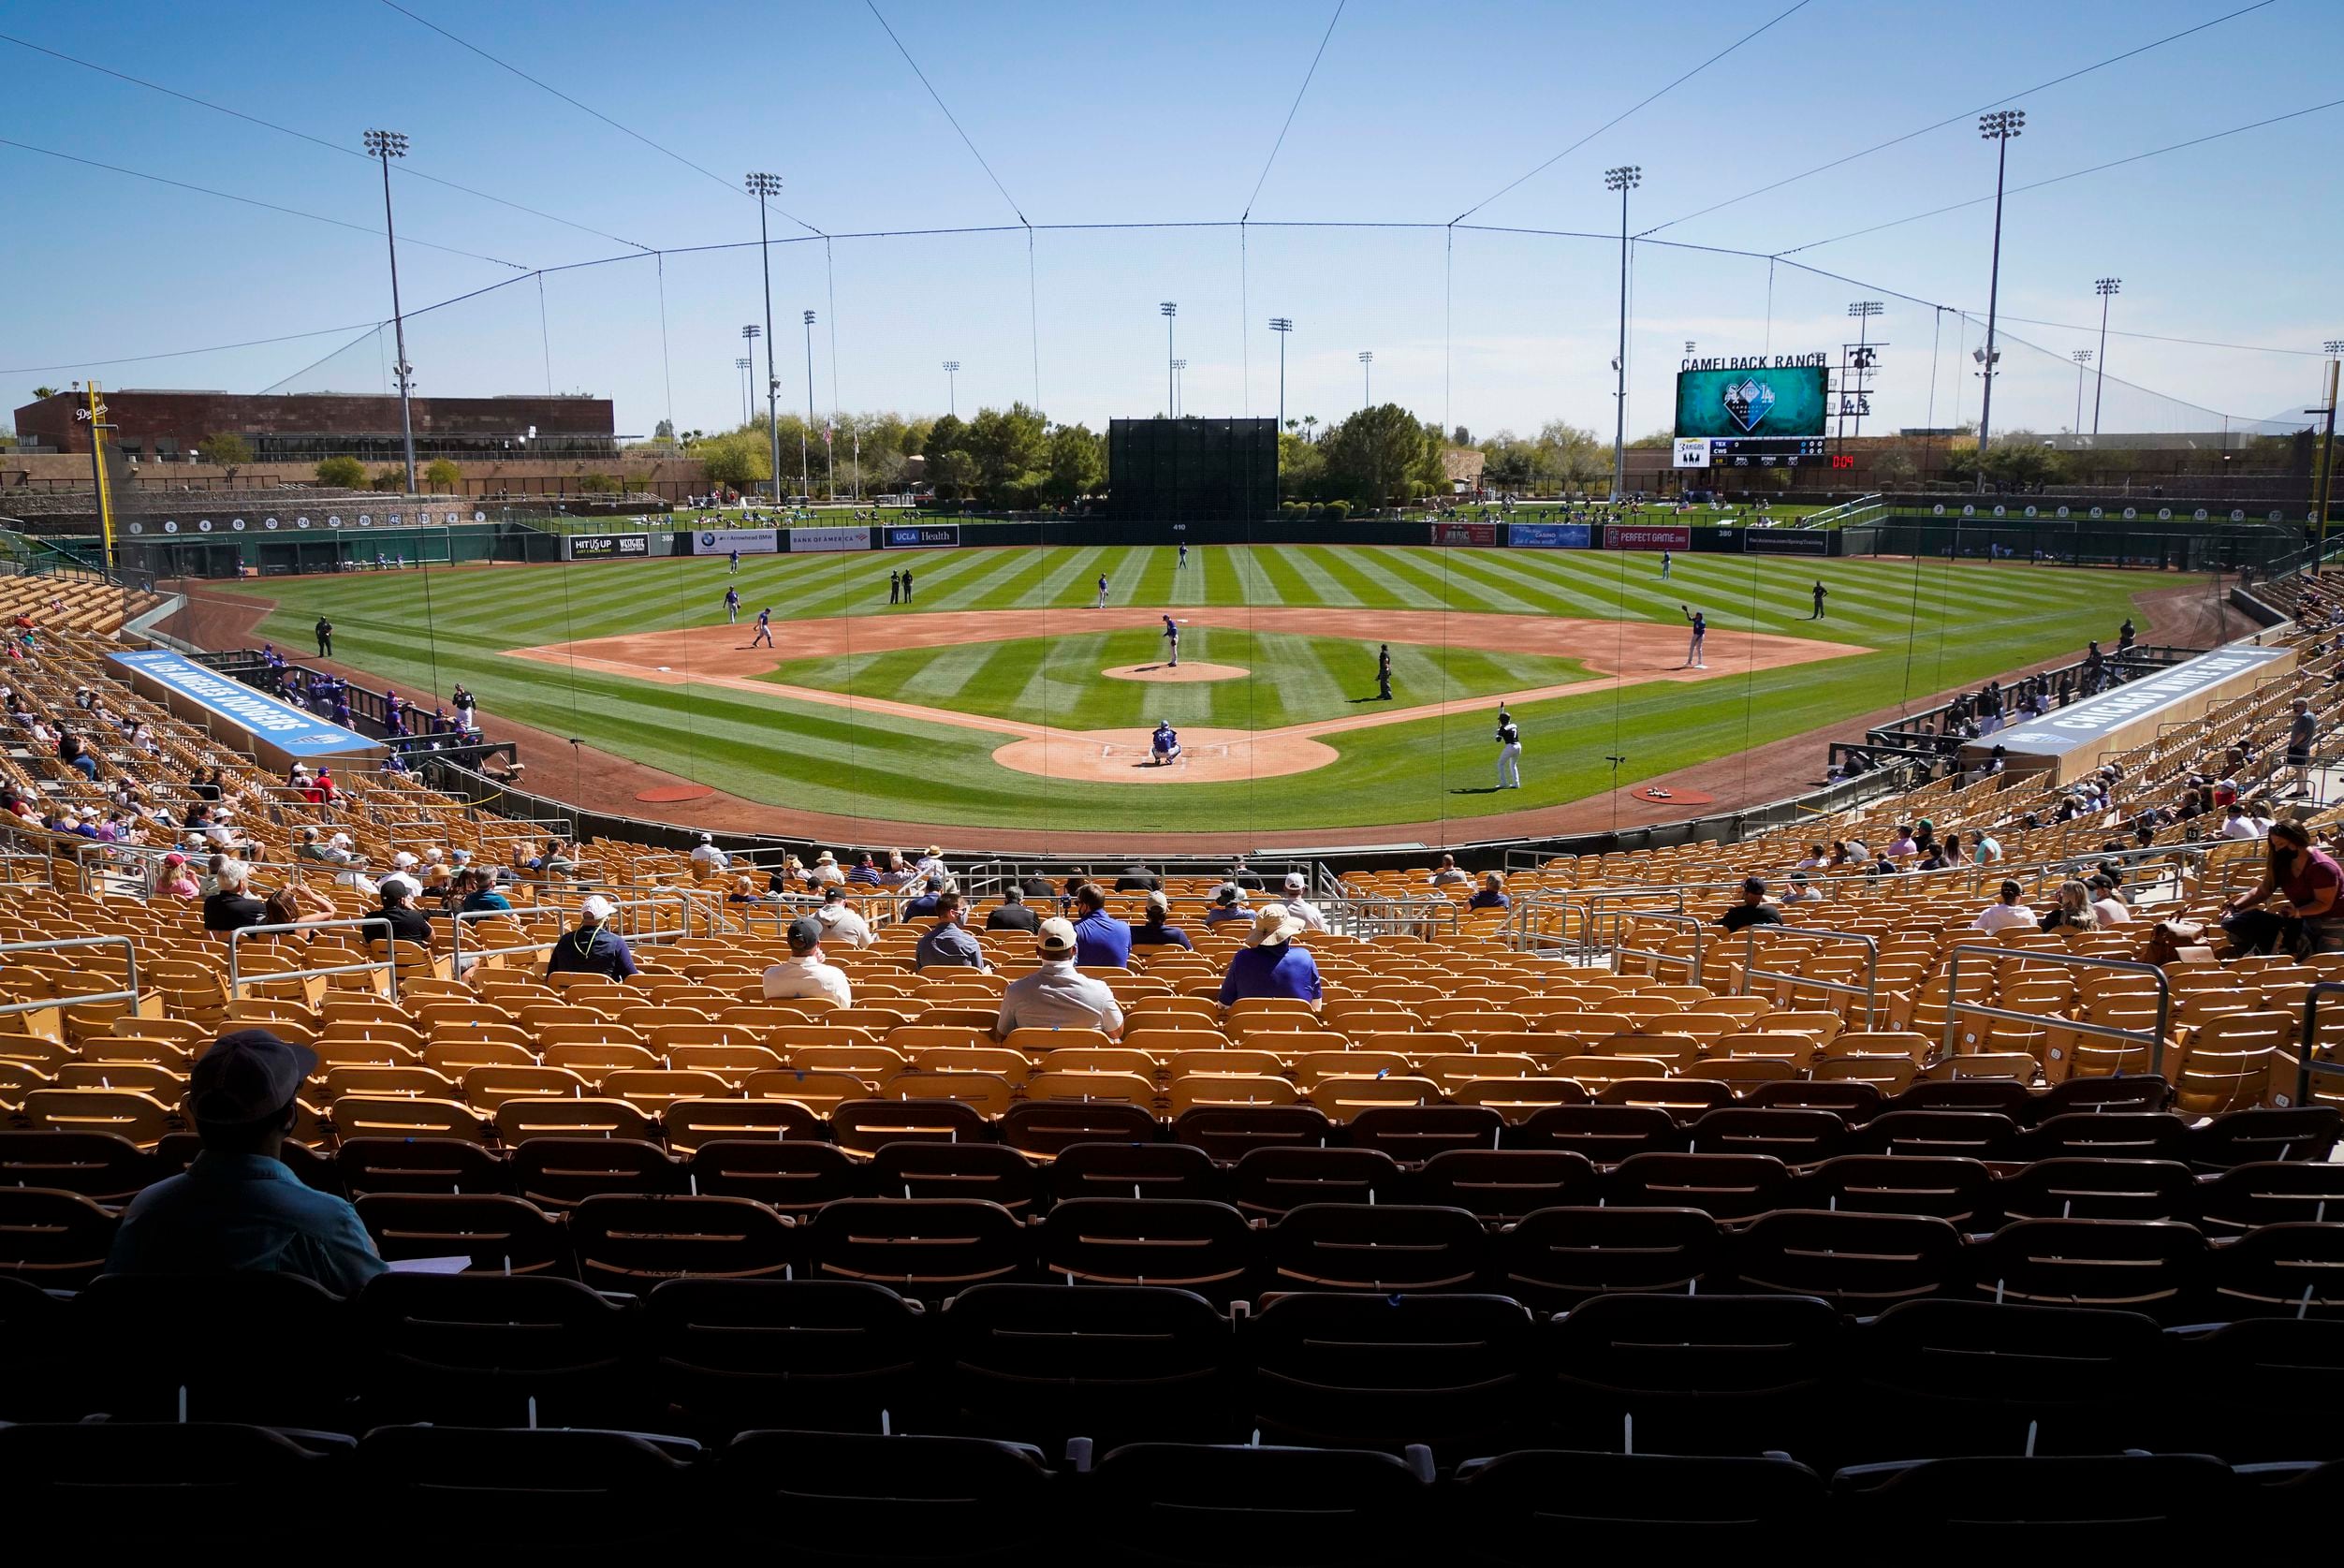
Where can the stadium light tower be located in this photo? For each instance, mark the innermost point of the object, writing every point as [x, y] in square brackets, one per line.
[1863, 310]
[1167, 310]
[762, 187]
[744, 366]
[385, 146]
[1178, 366]
[1367, 377]
[1998, 127]
[1625, 178]
[2082, 358]
[952, 377]
[805, 468]
[2333, 347]
[1282, 325]
[2105, 287]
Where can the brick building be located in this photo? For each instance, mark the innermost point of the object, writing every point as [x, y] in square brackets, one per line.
[304, 427]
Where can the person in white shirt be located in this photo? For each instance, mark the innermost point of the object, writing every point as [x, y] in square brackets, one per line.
[804, 973]
[1300, 907]
[898, 874]
[1801, 891]
[1816, 856]
[1057, 995]
[2005, 913]
[2237, 824]
[931, 866]
[706, 860]
[1447, 875]
[2106, 908]
[826, 871]
[840, 920]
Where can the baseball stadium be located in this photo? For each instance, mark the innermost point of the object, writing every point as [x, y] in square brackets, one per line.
[1304, 979]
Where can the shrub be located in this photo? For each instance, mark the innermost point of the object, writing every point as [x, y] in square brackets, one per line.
[345, 473]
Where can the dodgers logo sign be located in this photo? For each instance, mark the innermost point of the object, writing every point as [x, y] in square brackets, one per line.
[1747, 403]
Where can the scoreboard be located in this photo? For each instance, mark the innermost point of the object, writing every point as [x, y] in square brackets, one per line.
[1756, 451]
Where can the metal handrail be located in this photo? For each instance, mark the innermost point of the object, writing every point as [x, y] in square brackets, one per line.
[1371, 916]
[2309, 1044]
[130, 972]
[1658, 958]
[457, 919]
[1955, 1007]
[235, 975]
[1867, 990]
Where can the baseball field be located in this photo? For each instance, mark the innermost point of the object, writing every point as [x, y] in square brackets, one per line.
[1003, 697]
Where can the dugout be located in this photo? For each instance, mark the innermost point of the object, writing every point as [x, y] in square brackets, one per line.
[228, 552]
[2068, 742]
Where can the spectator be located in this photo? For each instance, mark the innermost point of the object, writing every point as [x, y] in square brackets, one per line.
[2106, 908]
[1245, 876]
[1100, 941]
[237, 1208]
[477, 892]
[407, 923]
[826, 873]
[174, 880]
[294, 904]
[231, 906]
[806, 972]
[1816, 857]
[1136, 878]
[1151, 932]
[1754, 909]
[898, 874]
[1228, 904]
[864, 873]
[1057, 995]
[925, 900]
[1901, 844]
[948, 943]
[1446, 874]
[931, 865]
[401, 871]
[1299, 907]
[76, 755]
[2302, 730]
[706, 860]
[1015, 914]
[1986, 850]
[593, 947]
[1802, 890]
[1492, 894]
[1270, 963]
[2308, 880]
[2005, 913]
[840, 921]
[2237, 824]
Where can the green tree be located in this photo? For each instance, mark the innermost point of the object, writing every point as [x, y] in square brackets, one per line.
[1301, 468]
[1570, 457]
[738, 460]
[344, 473]
[225, 448]
[1382, 456]
[443, 475]
[1078, 463]
[664, 431]
[392, 481]
[1651, 438]
[951, 468]
[601, 484]
[1012, 449]
[2018, 460]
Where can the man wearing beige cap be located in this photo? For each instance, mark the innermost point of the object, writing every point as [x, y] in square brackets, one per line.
[805, 972]
[593, 947]
[1057, 995]
[237, 1208]
[1269, 964]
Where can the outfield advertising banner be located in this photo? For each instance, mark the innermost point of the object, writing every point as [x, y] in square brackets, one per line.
[1753, 397]
[1786, 541]
[930, 536]
[748, 541]
[194, 691]
[606, 547]
[806, 541]
[1631, 536]
[1464, 533]
[1550, 536]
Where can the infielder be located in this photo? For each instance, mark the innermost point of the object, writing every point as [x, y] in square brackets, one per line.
[1172, 636]
[736, 564]
[1509, 751]
[1700, 633]
[764, 629]
[732, 607]
[1666, 560]
[1101, 604]
[1183, 561]
[1165, 745]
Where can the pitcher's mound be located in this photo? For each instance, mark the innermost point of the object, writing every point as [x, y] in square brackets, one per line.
[1206, 757]
[1195, 669]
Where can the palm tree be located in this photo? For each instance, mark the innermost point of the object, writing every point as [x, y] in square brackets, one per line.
[44, 391]
[1309, 425]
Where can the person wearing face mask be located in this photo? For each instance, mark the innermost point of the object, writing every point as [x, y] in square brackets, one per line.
[2307, 881]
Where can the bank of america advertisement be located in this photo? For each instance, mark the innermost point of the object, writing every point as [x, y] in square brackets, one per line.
[1758, 397]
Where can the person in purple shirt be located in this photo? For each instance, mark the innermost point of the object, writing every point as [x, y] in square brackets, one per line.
[1101, 940]
[1269, 964]
[1153, 932]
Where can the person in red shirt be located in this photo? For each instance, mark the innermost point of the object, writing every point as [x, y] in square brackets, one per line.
[2309, 881]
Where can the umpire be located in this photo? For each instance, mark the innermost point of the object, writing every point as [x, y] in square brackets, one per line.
[1384, 672]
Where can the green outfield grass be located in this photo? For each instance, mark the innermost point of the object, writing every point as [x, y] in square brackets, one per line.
[1294, 679]
[1934, 626]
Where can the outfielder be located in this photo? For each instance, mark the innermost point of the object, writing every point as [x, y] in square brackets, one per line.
[1101, 604]
[732, 607]
[1509, 751]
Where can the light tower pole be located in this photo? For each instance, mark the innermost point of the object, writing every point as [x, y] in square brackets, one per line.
[1625, 178]
[1282, 325]
[805, 467]
[749, 334]
[1178, 366]
[762, 187]
[952, 386]
[385, 146]
[2105, 287]
[2333, 347]
[1998, 127]
[744, 367]
[1168, 310]
[2082, 358]
[1863, 310]
[1366, 378]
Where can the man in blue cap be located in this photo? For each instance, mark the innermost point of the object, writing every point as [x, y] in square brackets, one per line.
[237, 1208]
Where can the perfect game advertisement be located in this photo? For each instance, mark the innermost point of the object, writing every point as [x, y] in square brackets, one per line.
[1760, 399]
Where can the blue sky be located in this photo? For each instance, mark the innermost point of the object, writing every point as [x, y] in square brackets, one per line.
[1129, 114]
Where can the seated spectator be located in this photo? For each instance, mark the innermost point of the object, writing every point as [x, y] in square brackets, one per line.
[1270, 963]
[864, 873]
[2307, 882]
[949, 943]
[826, 873]
[295, 905]
[1057, 995]
[76, 755]
[407, 923]
[1446, 874]
[1816, 857]
[2237, 824]
[1492, 894]
[237, 1208]
[1901, 844]
[1136, 878]
[706, 860]
[806, 972]
[897, 873]
[231, 907]
[1228, 904]
[2106, 907]
[174, 880]
[1802, 891]
[1101, 940]
[840, 921]
[593, 947]
[477, 892]
[1299, 907]
[925, 901]
[2005, 913]
[2071, 910]
[1151, 932]
[1015, 914]
[1986, 849]
[1245, 876]
[1754, 909]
